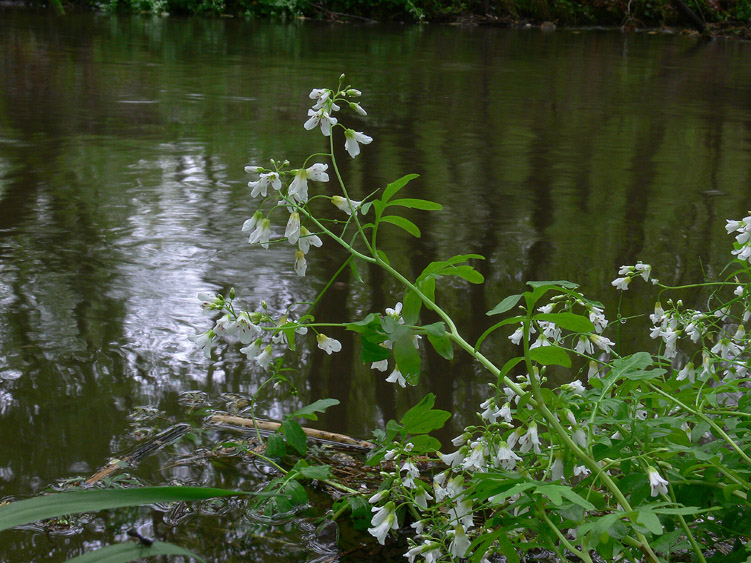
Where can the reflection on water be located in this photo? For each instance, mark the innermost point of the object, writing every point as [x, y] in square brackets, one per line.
[122, 146]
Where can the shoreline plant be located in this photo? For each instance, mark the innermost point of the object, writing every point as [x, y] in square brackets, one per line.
[638, 457]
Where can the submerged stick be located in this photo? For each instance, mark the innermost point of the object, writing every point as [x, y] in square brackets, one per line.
[274, 426]
[160, 440]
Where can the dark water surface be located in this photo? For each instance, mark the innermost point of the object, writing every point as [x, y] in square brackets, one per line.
[122, 193]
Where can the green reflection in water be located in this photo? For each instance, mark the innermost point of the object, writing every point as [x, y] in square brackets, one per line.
[122, 144]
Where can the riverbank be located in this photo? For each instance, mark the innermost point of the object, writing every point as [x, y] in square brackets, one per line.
[729, 18]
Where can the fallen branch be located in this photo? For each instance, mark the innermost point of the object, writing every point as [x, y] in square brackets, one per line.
[274, 426]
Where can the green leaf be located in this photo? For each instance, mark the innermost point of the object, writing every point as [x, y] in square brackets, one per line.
[403, 223]
[362, 326]
[275, 446]
[361, 514]
[550, 356]
[412, 203]
[506, 305]
[553, 284]
[422, 418]
[650, 521]
[427, 287]
[634, 362]
[296, 493]
[319, 406]
[442, 345]
[436, 329]
[436, 268]
[355, 271]
[59, 504]
[556, 492]
[424, 444]
[124, 552]
[397, 185]
[320, 472]
[382, 255]
[465, 272]
[508, 366]
[295, 435]
[372, 351]
[406, 356]
[568, 321]
[412, 306]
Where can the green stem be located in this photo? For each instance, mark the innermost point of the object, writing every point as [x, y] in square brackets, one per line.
[689, 535]
[584, 556]
[328, 285]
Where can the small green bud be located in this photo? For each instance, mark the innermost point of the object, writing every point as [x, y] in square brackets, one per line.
[232, 293]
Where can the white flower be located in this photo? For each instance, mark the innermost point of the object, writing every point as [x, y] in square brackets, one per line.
[530, 440]
[342, 203]
[581, 470]
[460, 544]
[261, 186]
[379, 496]
[292, 232]
[246, 330]
[320, 117]
[205, 341]
[621, 283]
[210, 303]
[226, 326]
[644, 270]
[264, 358]
[687, 372]
[300, 263]
[357, 108]
[397, 377]
[298, 188]
[396, 312]
[328, 345]
[252, 350]
[381, 365]
[455, 459]
[601, 342]
[726, 349]
[321, 96]
[383, 521]
[307, 239]
[262, 233]
[658, 484]
[506, 458]
[584, 345]
[658, 315]
[351, 140]
[421, 500]
[517, 335]
[250, 224]
[576, 386]
[491, 411]
[556, 470]
[476, 459]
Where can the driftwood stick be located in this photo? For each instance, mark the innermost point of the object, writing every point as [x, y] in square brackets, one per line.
[152, 445]
[274, 426]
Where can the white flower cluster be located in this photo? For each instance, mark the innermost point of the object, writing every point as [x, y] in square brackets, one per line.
[250, 328]
[627, 273]
[294, 195]
[743, 228]
[550, 334]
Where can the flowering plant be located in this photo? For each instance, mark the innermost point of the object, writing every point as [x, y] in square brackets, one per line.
[639, 456]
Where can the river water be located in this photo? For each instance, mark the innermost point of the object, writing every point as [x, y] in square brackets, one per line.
[122, 193]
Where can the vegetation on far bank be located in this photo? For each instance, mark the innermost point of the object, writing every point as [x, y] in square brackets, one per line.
[718, 14]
